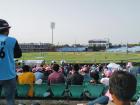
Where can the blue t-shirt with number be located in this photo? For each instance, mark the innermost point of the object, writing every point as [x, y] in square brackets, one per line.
[7, 63]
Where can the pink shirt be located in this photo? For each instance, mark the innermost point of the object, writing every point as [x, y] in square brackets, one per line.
[109, 95]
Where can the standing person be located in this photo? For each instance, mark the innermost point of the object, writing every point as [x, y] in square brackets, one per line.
[9, 49]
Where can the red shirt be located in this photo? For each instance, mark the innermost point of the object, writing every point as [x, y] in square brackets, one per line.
[56, 77]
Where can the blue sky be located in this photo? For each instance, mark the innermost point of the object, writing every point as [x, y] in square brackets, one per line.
[77, 21]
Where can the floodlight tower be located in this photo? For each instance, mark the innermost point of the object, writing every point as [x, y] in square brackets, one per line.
[52, 27]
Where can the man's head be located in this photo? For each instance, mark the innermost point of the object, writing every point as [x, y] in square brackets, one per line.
[4, 27]
[26, 68]
[95, 75]
[76, 67]
[55, 67]
[122, 85]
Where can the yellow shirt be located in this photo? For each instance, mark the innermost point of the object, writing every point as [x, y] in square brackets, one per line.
[27, 78]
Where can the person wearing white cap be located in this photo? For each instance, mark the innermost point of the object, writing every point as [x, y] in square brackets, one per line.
[9, 49]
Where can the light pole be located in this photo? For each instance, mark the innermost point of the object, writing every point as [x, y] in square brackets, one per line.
[127, 48]
[52, 27]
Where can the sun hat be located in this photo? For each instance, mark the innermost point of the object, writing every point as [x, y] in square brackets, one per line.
[4, 24]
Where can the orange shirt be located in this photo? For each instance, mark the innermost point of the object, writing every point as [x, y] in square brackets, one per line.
[27, 78]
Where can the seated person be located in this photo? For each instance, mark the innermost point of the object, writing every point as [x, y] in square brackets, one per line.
[105, 79]
[47, 71]
[122, 86]
[103, 100]
[38, 72]
[75, 78]
[95, 76]
[27, 77]
[86, 73]
[56, 77]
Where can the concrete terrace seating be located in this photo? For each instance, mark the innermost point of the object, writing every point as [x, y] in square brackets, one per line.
[95, 90]
[22, 90]
[57, 90]
[76, 91]
[40, 90]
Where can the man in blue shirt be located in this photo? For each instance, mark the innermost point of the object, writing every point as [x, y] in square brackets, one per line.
[9, 49]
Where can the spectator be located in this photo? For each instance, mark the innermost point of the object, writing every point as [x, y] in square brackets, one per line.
[38, 72]
[102, 99]
[56, 77]
[47, 71]
[18, 69]
[86, 73]
[27, 77]
[95, 76]
[128, 66]
[105, 80]
[75, 78]
[9, 49]
[122, 86]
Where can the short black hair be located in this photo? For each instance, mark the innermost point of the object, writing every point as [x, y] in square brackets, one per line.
[123, 85]
[55, 67]
[94, 75]
[26, 68]
[76, 67]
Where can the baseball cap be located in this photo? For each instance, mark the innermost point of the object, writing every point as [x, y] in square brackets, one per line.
[3, 24]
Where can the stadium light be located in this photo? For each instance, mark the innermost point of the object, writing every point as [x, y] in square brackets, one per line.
[52, 27]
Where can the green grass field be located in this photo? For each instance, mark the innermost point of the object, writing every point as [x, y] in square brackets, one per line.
[82, 57]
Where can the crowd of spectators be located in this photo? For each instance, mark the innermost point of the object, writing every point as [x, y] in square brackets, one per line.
[70, 75]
